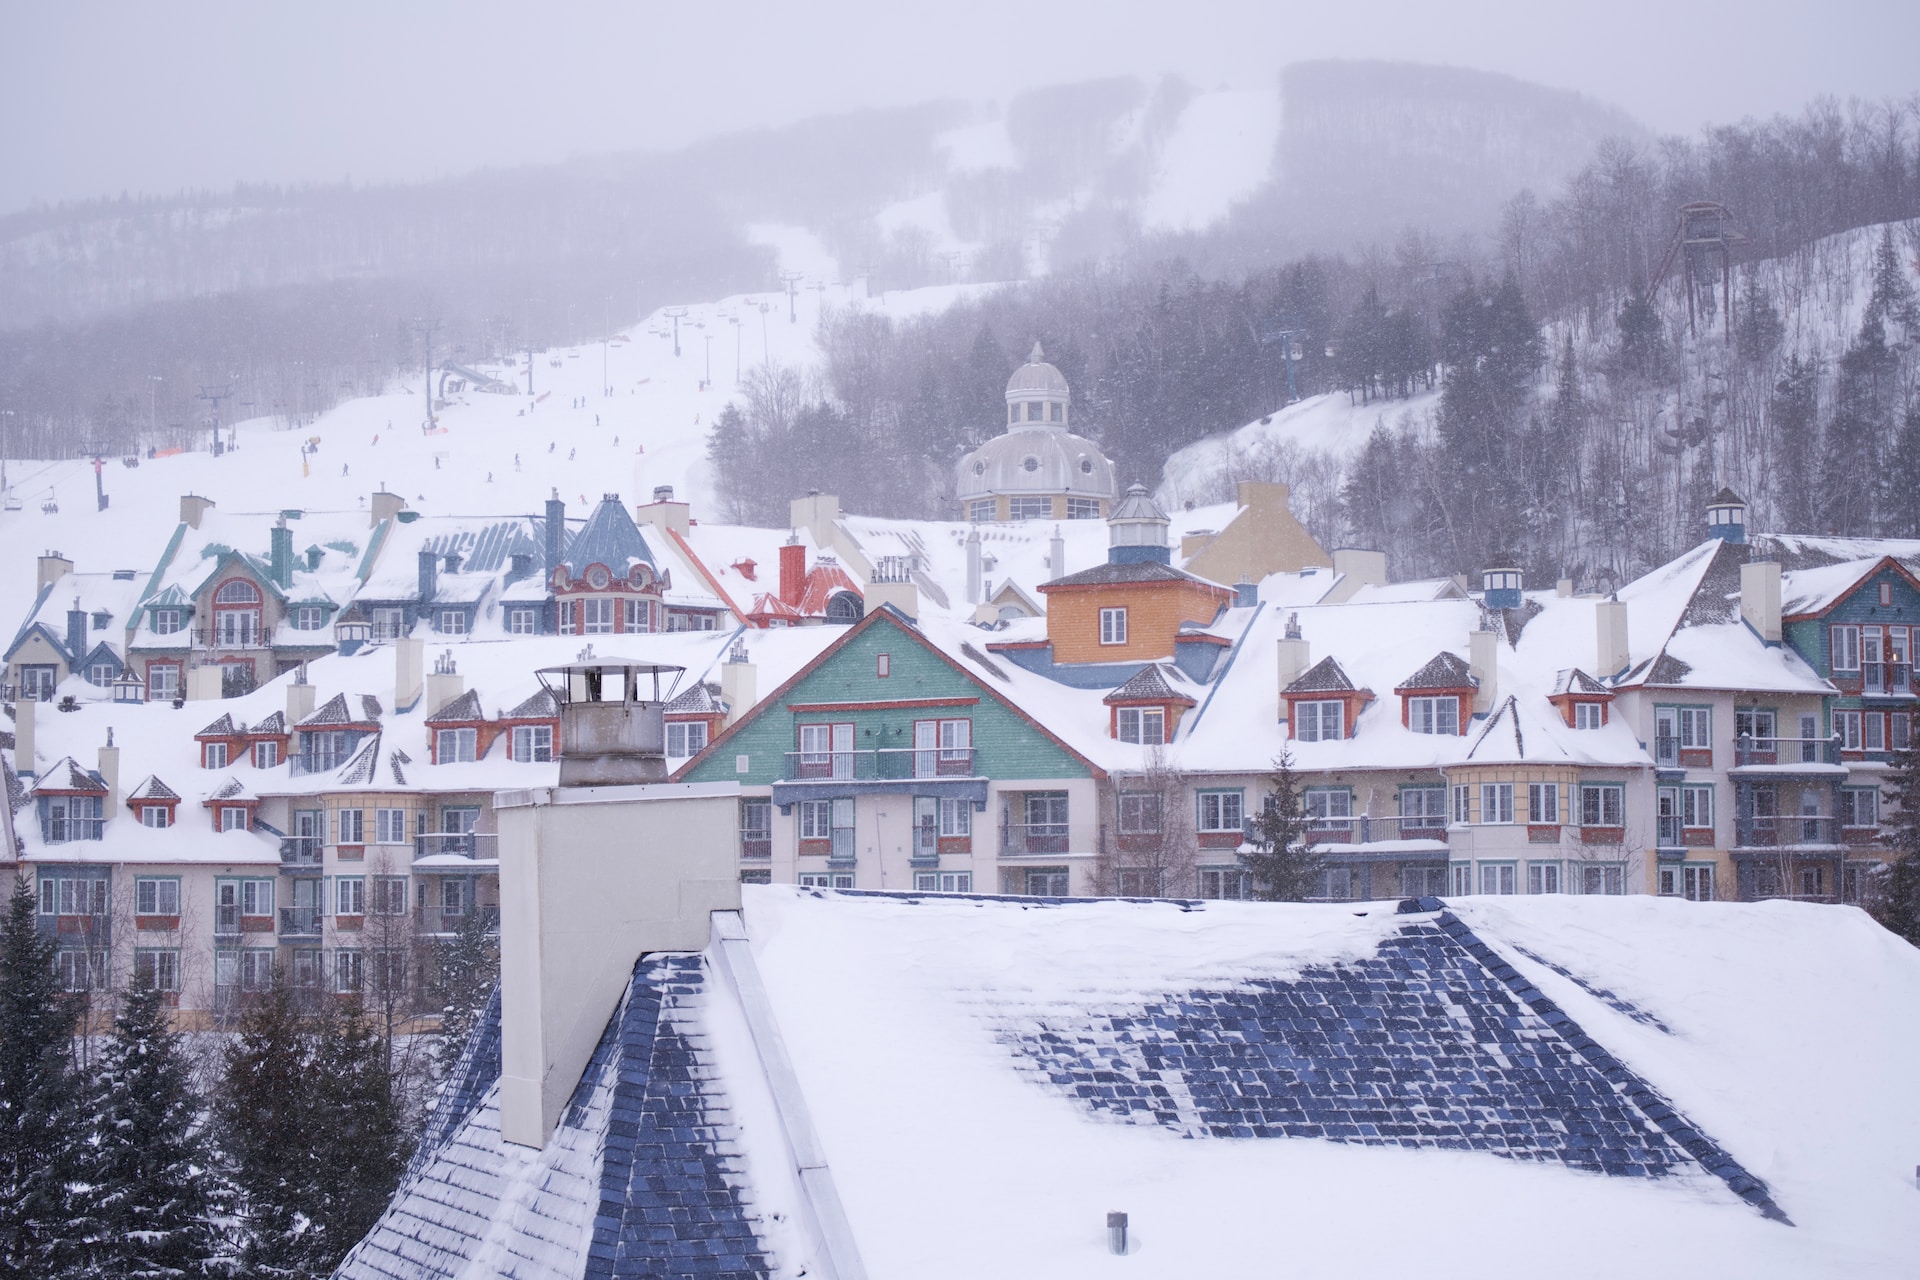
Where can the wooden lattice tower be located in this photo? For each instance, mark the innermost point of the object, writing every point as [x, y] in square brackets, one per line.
[1703, 245]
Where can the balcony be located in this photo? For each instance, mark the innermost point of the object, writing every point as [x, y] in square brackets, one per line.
[1018, 839]
[231, 639]
[1792, 832]
[756, 843]
[1785, 755]
[886, 764]
[300, 851]
[1880, 679]
[300, 922]
[459, 844]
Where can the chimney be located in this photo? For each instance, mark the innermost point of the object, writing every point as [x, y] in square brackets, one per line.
[593, 877]
[1246, 593]
[384, 506]
[1563, 588]
[1610, 636]
[1295, 658]
[110, 774]
[556, 547]
[299, 698]
[664, 513]
[1483, 661]
[793, 571]
[53, 567]
[280, 561]
[406, 673]
[429, 566]
[973, 568]
[1057, 555]
[192, 508]
[77, 634]
[1760, 598]
[23, 713]
[738, 682]
[206, 684]
[445, 684]
[1365, 568]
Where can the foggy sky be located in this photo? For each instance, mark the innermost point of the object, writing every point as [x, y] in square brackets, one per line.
[97, 98]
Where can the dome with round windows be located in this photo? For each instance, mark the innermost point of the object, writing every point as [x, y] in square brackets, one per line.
[1036, 469]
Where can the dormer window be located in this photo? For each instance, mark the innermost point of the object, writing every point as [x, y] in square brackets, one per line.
[309, 617]
[1589, 715]
[1434, 715]
[154, 815]
[216, 755]
[1145, 725]
[166, 621]
[1319, 721]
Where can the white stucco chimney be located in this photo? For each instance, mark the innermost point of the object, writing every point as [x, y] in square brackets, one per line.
[1760, 598]
[1056, 555]
[738, 682]
[444, 684]
[1611, 654]
[407, 684]
[1483, 660]
[1295, 658]
[23, 713]
[299, 698]
[109, 768]
[974, 595]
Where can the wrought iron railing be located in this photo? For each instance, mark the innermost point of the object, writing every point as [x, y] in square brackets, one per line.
[884, 764]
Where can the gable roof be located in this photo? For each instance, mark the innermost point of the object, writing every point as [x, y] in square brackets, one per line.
[1444, 670]
[1574, 681]
[1324, 676]
[1133, 572]
[334, 712]
[464, 708]
[543, 705]
[66, 775]
[221, 728]
[701, 699]
[153, 789]
[1151, 683]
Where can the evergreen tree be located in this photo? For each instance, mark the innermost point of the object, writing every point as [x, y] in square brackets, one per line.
[469, 967]
[1896, 904]
[1758, 331]
[1892, 297]
[1850, 466]
[1900, 494]
[266, 1120]
[1284, 865]
[1796, 426]
[1643, 348]
[150, 1192]
[41, 1101]
[367, 1140]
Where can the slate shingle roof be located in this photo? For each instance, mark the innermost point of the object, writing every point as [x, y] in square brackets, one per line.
[1574, 680]
[1138, 571]
[1149, 684]
[466, 707]
[1443, 671]
[65, 774]
[232, 789]
[701, 699]
[154, 789]
[609, 537]
[333, 711]
[541, 706]
[221, 728]
[275, 723]
[363, 767]
[1324, 676]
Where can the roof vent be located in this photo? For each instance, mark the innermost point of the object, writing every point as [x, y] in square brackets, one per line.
[612, 720]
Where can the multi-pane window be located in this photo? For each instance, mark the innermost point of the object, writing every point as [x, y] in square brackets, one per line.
[1221, 811]
[156, 896]
[455, 745]
[1422, 807]
[256, 898]
[1696, 807]
[256, 969]
[1543, 877]
[233, 818]
[80, 970]
[154, 815]
[1146, 725]
[1543, 803]
[349, 971]
[942, 882]
[167, 621]
[1329, 808]
[452, 622]
[158, 968]
[1588, 715]
[1873, 731]
[1496, 804]
[826, 879]
[1696, 883]
[599, 615]
[686, 738]
[1083, 508]
[522, 622]
[1113, 626]
[1225, 882]
[756, 827]
[568, 616]
[309, 617]
[1753, 729]
[1860, 807]
[350, 826]
[816, 819]
[1899, 730]
[1601, 878]
[1319, 721]
[532, 743]
[1846, 647]
[73, 818]
[453, 897]
[1602, 805]
[216, 755]
[956, 816]
[1030, 508]
[1496, 877]
[1139, 812]
[389, 895]
[639, 615]
[1047, 814]
[350, 896]
[981, 510]
[266, 755]
[163, 682]
[1462, 813]
[1696, 728]
[1138, 882]
[389, 623]
[1846, 727]
[73, 896]
[1462, 877]
[1434, 715]
[390, 826]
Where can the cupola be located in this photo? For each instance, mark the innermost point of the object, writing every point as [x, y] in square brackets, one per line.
[1727, 517]
[1137, 530]
[1037, 393]
[1501, 588]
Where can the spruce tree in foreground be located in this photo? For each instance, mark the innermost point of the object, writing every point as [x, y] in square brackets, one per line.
[1284, 866]
[40, 1098]
[265, 1121]
[150, 1195]
[1896, 900]
[366, 1139]
[469, 966]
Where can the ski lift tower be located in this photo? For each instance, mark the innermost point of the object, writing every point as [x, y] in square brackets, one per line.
[1287, 338]
[213, 396]
[1703, 244]
[98, 452]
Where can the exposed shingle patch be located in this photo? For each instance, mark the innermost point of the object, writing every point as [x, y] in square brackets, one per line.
[1443, 671]
[1324, 676]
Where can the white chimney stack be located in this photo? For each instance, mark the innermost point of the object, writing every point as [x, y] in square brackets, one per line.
[1760, 598]
[738, 683]
[1295, 658]
[406, 673]
[1610, 638]
[23, 713]
[110, 774]
[1057, 555]
[974, 595]
[1483, 660]
[299, 698]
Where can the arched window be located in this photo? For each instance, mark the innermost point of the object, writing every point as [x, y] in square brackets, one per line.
[845, 606]
[237, 591]
[236, 615]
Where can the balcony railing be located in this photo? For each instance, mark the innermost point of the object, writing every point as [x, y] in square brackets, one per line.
[465, 844]
[1756, 751]
[885, 764]
[1886, 679]
[300, 851]
[229, 638]
[299, 922]
[756, 843]
[63, 830]
[1017, 838]
[1788, 831]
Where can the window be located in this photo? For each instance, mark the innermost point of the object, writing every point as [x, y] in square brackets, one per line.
[1462, 814]
[1899, 730]
[532, 743]
[350, 896]
[1046, 882]
[309, 617]
[522, 622]
[826, 750]
[1113, 626]
[389, 623]
[1873, 731]
[1139, 813]
[1543, 877]
[157, 968]
[1696, 728]
[826, 879]
[216, 753]
[1860, 807]
[156, 896]
[883, 666]
[266, 755]
[980, 511]
[943, 882]
[956, 817]
[1696, 884]
[389, 895]
[1030, 508]
[567, 616]
[163, 682]
[453, 897]
[256, 969]
[349, 972]
[1543, 805]
[599, 616]
[351, 826]
[1496, 805]
[1434, 715]
[102, 673]
[327, 749]
[1221, 811]
[1138, 882]
[756, 827]
[1046, 815]
[154, 815]
[1602, 806]
[1423, 807]
[1496, 877]
[451, 746]
[306, 968]
[816, 819]
[390, 826]
[637, 615]
[72, 818]
[1083, 508]
[1696, 807]
[233, 818]
[73, 896]
[1319, 721]
[688, 738]
[80, 970]
[166, 622]
[1229, 883]
[1846, 726]
[1846, 647]
[1329, 808]
[452, 622]
[1146, 725]
[1588, 715]
[1601, 878]
[1753, 730]
[1423, 882]
[1462, 877]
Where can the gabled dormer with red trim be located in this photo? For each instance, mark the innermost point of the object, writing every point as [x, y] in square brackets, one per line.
[232, 807]
[154, 804]
[1582, 701]
[1438, 698]
[222, 743]
[1323, 704]
[464, 712]
[267, 742]
[1147, 708]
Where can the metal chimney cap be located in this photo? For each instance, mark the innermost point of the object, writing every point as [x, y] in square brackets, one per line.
[611, 663]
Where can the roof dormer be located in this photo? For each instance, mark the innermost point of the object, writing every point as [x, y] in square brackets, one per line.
[1583, 702]
[1323, 704]
[1438, 698]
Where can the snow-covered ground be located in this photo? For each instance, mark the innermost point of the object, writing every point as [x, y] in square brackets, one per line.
[1220, 152]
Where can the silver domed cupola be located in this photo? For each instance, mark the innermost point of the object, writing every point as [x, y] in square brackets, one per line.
[1036, 469]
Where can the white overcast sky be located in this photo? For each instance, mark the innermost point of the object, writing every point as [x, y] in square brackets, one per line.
[97, 98]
